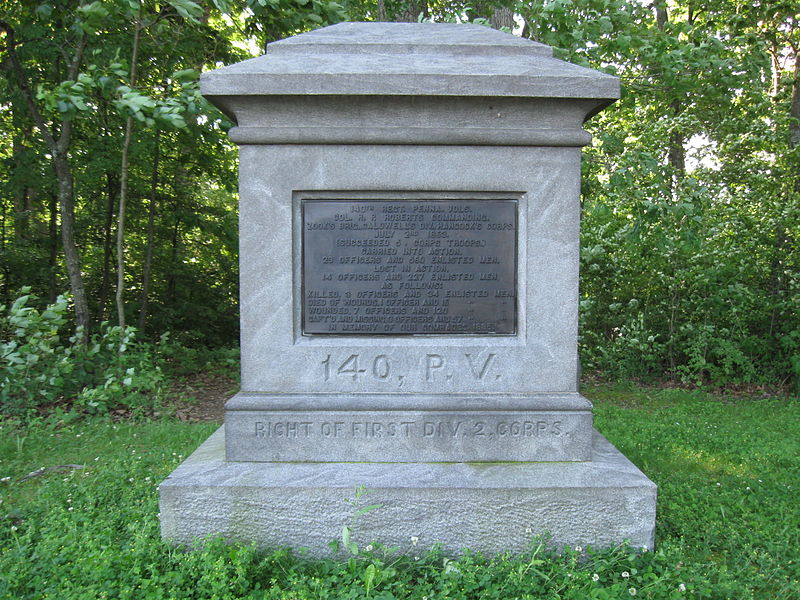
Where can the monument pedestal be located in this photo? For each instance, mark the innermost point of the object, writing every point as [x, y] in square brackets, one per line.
[486, 507]
[409, 248]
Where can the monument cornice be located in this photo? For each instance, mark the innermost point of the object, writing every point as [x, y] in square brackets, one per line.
[434, 136]
[245, 401]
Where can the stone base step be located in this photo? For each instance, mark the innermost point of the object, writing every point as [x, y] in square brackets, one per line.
[487, 507]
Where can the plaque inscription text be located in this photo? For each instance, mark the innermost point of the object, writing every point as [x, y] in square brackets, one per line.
[395, 267]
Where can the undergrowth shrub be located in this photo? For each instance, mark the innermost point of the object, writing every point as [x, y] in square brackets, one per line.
[179, 360]
[689, 280]
[42, 365]
[631, 350]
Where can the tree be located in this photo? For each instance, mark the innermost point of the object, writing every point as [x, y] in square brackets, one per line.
[84, 108]
[53, 113]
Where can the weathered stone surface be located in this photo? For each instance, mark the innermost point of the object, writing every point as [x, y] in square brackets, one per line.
[432, 120]
[490, 508]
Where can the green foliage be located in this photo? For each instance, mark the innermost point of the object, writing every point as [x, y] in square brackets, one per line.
[348, 543]
[41, 366]
[728, 524]
[122, 372]
[31, 352]
[272, 20]
[179, 360]
[91, 15]
[690, 192]
[69, 97]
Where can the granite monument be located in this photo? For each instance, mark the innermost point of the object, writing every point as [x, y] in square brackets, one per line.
[409, 230]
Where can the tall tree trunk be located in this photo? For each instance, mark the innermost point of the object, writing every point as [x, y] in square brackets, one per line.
[21, 199]
[794, 110]
[662, 17]
[151, 216]
[71, 256]
[52, 261]
[4, 266]
[111, 193]
[174, 257]
[783, 238]
[677, 148]
[123, 187]
[774, 54]
[123, 198]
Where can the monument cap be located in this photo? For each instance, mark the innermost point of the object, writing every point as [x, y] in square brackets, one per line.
[409, 83]
[409, 59]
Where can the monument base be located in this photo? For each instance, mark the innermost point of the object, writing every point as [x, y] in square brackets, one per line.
[486, 507]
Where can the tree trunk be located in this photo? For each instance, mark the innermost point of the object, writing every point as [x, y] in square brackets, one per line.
[123, 194]
[102, 304]
[661, 14]
[4, 266]
[676, 152]
[151, 215]
[527, 32]
[66, 203]
[174, 257]
[794, 109]
[52, 261]
[502, 17]
[783, 239]
[179, 185]
[21, 200]
[774, 54]
[123, 187]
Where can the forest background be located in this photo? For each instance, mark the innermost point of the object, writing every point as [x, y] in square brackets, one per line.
[118, 182]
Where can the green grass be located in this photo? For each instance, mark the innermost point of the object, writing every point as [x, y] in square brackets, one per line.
[728, 472]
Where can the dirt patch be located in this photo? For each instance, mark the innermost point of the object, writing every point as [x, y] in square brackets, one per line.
[202, 396]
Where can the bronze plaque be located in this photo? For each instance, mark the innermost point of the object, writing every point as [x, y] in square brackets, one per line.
[409, 267]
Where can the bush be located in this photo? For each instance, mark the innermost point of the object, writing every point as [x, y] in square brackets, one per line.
[41, 365]
[179, 360]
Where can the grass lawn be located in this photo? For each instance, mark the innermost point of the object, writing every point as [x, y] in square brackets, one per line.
[728, 471]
